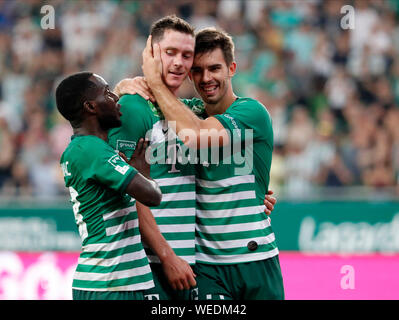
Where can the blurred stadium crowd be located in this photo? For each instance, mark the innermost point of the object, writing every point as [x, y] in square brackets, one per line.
[333, 94]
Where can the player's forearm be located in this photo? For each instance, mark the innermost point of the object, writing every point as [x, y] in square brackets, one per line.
[145, 190]
[175, 110]
[151, 234]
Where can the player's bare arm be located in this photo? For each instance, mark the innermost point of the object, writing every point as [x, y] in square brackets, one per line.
[178, 271]
[136, 85]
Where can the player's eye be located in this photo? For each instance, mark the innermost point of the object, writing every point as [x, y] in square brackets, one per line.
[214, 68]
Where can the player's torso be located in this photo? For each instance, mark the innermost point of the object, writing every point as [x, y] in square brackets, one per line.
[230, 185]
[107, 222]
[174, 173]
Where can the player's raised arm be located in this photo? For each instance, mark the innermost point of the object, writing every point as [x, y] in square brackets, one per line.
[178, 272]
[137, 85]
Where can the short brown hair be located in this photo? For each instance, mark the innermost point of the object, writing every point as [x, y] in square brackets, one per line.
[209, 39]
[171, 22]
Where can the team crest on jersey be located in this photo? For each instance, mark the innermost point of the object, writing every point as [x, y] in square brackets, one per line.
[114, 162]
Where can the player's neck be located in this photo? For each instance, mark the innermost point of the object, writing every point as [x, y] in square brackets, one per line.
[174, 91]
[89, 129]
[222, 105]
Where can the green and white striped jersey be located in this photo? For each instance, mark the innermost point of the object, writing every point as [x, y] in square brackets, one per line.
[231, 226]
[112, 256]
[175, 216]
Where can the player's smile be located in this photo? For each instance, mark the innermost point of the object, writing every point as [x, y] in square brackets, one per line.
[209, 89]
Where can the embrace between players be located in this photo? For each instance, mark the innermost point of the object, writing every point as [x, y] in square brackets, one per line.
[172, 230]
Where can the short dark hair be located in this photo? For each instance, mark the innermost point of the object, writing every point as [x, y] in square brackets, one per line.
[171, 22]
[209, 39]
[71, 93]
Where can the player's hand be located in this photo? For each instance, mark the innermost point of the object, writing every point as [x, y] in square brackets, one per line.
[152, 64]
[269, 202]
[136, 85]
[138, 160]
[179, 273]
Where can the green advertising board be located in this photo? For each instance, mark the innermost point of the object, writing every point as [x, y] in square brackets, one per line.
[38, 228]
[337, 227]
[324, 227]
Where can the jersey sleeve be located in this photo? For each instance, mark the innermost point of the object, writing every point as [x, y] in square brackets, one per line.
[136, 120]
[103, 165]
[137, 114]
[248, 118]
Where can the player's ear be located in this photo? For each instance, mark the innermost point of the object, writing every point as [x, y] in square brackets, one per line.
[232, 68]
[89, 107]
[190, 76]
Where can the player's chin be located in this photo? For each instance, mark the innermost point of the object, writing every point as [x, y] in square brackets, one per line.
[117, 123]
[111, 123]
[174, 82]
[209, 99]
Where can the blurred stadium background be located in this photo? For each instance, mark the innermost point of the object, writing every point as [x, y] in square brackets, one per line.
[333, 94]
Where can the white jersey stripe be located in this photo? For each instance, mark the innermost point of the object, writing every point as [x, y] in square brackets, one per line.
[178, 212]
[163, 182]
[119, 213]
[132, 287]
[182, 243]
[226, 197]
[223, 213]
[177, 196]
[112, 261]
[94, 276]
[111, 245]
[176, 244]
[131, 224]
[175, 228]
[259, 225]
[226, 182]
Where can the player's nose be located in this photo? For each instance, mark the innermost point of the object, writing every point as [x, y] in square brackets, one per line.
[206, 76]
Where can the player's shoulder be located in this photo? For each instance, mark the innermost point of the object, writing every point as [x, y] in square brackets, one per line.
[134, 103]
[249, 102]
[84, 147]
[252, 105]
[132, 98]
